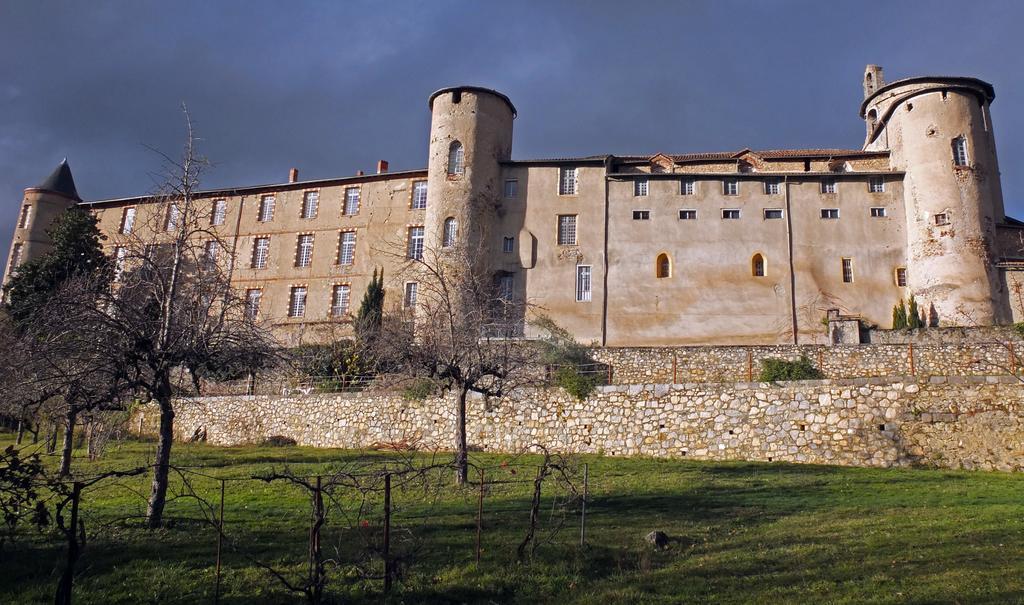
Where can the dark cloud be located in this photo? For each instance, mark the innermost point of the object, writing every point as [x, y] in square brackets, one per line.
[331, 87]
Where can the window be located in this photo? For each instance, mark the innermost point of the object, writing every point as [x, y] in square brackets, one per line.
[566, 229]
[960, 157]
[219, 211]
[267, 203]
[347, 248]
[304, 250]
[310, 203]
[506, 283]
[419, 195]
[687, 187]
[730, 213]
[830, 213]
[451, 229]
[878, 212]
[415, 243]
[252, 303]
[339, 300]
[772, 213]
[120, 252]
[210, 253]
[508, 245]
[901, 277]
[848, 270]
[567, 181]
[583, 283]
[876, 184]
[411, 289]
[757, 265]
[26, 215]
[260, 252]
[663, 266]
[942, 218]
[828, 186]
[297, 302]
[640, 187]
[15, 257]
[731, 187]
[128, 220]
[456, 159]
[351, 201]
[771, 187]
[511, 188]
[641, 215]
[173, 215]
[687, 215]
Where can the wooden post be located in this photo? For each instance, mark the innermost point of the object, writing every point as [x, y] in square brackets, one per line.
[1013, 358]
[910, 353]
[583, 510]
[675, 371]
[609, 373]
[142, 417]
[750, 365]
[479, 515]
[220, 541]
[387, 533]
[821, 360]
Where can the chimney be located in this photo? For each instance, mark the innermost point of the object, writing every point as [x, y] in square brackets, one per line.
[359, 173]
[293, 175]
[382, 166]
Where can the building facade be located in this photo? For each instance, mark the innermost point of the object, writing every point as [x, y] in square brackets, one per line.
[704, 248]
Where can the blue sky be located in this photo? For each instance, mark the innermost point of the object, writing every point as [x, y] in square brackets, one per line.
[331, 87]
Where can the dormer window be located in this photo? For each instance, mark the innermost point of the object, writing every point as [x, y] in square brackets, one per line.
[456, 159]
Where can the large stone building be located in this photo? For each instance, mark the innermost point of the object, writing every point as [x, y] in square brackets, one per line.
[720, 248]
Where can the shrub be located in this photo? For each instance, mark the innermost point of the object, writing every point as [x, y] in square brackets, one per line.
[899, 316]
[279, 441]
[419, 389]
[575, 383]
[774, 370]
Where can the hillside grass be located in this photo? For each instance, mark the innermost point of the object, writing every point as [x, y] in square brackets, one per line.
[740, 533]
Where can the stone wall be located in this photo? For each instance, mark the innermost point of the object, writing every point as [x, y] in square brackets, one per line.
[639, 365]
[958, 422]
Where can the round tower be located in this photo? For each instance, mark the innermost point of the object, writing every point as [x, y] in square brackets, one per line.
[938, 131]
[470, 135]
[39, 208]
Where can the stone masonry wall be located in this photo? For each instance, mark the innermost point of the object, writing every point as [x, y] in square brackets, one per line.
[957, 422]
[640, 365]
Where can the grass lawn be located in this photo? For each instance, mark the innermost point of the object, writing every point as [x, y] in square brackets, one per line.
[740, 533]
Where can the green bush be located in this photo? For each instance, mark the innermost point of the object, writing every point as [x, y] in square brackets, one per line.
[774, 370]
[576, 384]
[419, 389]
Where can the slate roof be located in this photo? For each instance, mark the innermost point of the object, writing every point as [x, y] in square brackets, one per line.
[60, 181]
[769, 154]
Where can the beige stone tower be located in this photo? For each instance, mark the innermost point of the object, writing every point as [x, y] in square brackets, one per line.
[470, 135]
[39, 208]
[939, 131]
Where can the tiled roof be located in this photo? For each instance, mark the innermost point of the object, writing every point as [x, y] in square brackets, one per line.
[769, 154]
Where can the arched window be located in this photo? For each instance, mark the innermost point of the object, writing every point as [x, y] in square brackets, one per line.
[663, 266]
[451, 229]
[456, 158]
[872, 117]
[757, 266]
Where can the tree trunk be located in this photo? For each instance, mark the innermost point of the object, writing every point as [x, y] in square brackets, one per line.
[158, 495]
[51, 439]
[21, 429]
[461, 449]
[69, 442]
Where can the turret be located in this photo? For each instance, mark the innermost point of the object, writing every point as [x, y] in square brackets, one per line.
[939, 132]
[470, 135]
[39, 208]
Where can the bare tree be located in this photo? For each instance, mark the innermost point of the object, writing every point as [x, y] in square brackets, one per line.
[463, 331]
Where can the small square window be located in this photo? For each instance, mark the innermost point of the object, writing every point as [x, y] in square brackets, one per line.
[848, 270]
[567, 230]
[414, 243]
[351, 201]
[901, 277]
[772, 213]
[640, 187]
[941, 219]
[340, 300]
[641, 215]
[266, 213]
[731, 187]
[828, 186]
[310, 204]
[878, 212]
[297, 302]
[508, 245]
[771, 187]
[830, 213]
[419, 195]
[730, 213]
[687, 215]
[567, 181]
[876, 184]
[347, 248]
[687, 187]
[511, 188]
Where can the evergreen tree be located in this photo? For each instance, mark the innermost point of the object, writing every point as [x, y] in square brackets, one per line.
[914, 315]
[371, 310]
[899, 316]
[77, 251]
